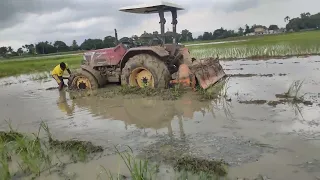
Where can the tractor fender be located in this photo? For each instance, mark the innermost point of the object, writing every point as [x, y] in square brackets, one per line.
[157, 51]
[100, 79]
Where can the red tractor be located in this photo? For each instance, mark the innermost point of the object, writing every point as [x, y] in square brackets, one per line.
[156, 65]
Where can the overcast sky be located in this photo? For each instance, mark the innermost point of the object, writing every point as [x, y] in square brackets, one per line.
[31, 21]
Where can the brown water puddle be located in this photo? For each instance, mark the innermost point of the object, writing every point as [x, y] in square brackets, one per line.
[278, 142]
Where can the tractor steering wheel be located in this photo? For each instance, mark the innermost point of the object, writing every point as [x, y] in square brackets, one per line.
[159, 39]
[128, 44]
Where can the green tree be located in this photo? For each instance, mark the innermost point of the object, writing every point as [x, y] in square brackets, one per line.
[247, 29]
[61, 46]
[30, 48]
[20, 51]
[74, 46]
[3, 51]
[186, 36]
[109, 41]
[241, 31]
[305, 21]
[273, 27]
[207, 36]
[45, 48]
[90, 44]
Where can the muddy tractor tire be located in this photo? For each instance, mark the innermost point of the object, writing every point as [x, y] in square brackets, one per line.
[145, 70]
[83, 80]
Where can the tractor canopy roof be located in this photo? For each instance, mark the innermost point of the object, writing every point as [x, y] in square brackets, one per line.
[151, 7]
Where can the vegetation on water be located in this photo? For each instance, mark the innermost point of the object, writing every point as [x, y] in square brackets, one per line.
[33, 155]
[173, 93]
[139, 169]
[197, 165]
[292, 96]
[217, 91]
[165, 94]
[12, 68]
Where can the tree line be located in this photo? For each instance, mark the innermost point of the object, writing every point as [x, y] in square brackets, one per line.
[305, 21]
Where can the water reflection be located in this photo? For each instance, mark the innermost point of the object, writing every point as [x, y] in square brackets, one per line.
[145, 113]
[63, 104]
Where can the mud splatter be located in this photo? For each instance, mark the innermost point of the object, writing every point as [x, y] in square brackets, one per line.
[250, 75]
[253, 102]
[284, 95]
[277, 102]
[51, 88]
[234, 69]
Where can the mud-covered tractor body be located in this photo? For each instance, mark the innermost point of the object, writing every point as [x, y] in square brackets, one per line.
[156, 65]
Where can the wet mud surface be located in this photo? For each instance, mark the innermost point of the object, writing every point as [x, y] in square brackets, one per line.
[253, 129]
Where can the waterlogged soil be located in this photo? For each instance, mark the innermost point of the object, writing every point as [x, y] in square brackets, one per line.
[253, 131]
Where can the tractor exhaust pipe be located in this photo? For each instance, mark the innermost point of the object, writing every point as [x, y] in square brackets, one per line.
[116, 35]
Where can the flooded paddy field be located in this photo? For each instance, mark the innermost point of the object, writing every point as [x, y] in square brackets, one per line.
[253, 129]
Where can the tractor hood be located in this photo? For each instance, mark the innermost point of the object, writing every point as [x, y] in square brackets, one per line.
[105, 57]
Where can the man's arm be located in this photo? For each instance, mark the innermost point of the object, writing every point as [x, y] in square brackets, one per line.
[69, 71]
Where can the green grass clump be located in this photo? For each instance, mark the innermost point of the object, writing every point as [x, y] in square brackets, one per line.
[139, 169]
[33, 155]
[18, 67]
[30, 152]
[78, 150]
[196, 165]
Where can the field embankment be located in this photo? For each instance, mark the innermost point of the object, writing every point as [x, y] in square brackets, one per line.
[281, 45]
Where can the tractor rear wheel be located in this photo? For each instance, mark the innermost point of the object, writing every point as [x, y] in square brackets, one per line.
[83, 80]
[145, 70]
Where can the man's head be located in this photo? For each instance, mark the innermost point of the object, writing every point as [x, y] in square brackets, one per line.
[63, 65]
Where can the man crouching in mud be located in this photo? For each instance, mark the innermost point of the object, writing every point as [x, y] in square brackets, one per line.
[57, 74]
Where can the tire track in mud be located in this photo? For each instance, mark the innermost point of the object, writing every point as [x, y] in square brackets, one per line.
[233, 150]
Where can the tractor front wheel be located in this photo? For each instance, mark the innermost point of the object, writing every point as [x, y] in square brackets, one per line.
[145, 70]
[83, 80]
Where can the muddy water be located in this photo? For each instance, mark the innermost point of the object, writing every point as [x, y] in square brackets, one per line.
[281, 142]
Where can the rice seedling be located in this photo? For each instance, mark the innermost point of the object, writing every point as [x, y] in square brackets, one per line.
[40, 64]
[219, 90]
[295, 89]
[256, 52]
[40, 76]
[139, 169]
[32, 156]
[78, 150]
[293, 93]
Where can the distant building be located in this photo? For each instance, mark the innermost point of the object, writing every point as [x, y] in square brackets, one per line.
[259, 30]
